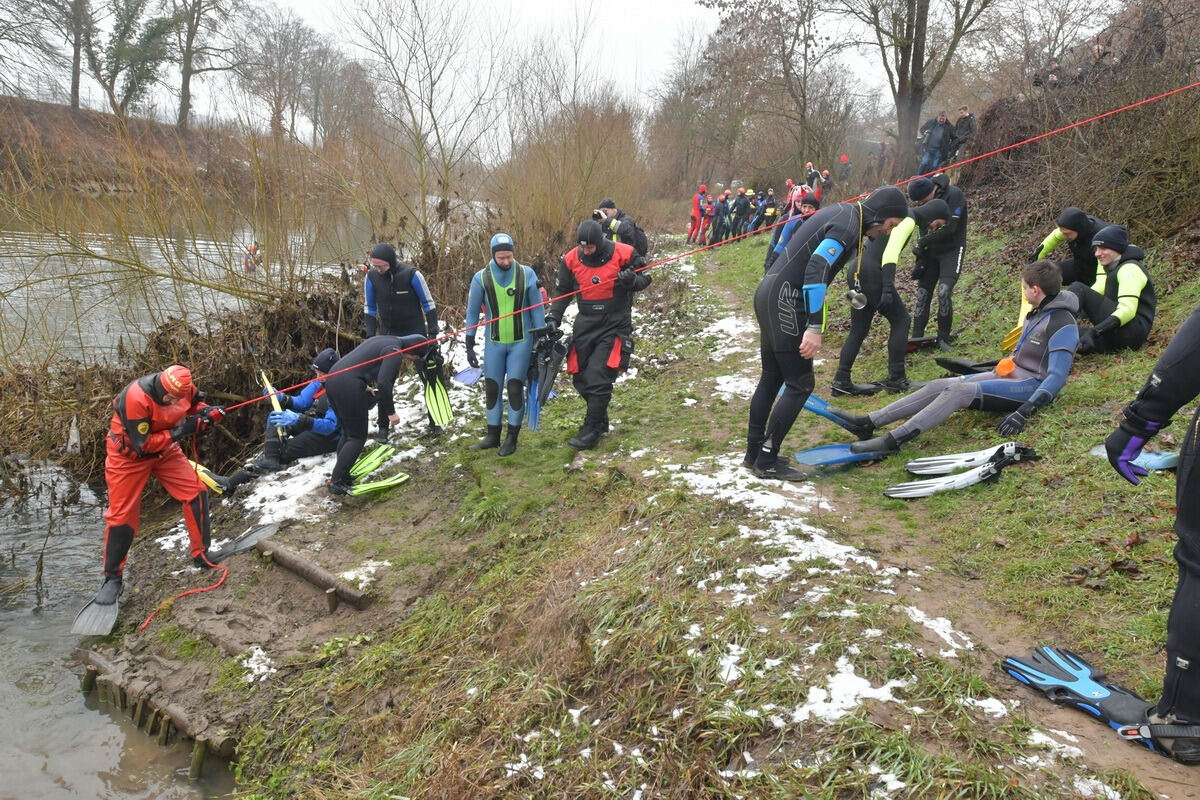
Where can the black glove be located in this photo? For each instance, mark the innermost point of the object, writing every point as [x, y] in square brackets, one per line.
[185, 428]
[1014, 423]
[626, 278]
[886, 297]
[918, 270]
[551, 326]
[472, 359]
[1035, 255]
[1105, 325]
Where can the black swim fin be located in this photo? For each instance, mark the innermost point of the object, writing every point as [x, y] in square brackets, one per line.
[243, 543]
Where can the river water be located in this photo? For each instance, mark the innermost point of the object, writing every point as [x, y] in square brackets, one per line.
[54, 743]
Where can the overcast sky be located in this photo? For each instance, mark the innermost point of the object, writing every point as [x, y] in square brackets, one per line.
[639, 36]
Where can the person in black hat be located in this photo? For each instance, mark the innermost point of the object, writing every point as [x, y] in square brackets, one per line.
[1077, 229]
[790, 306]
[939, 255]
[308, 424]
[399, 303]
[602, 275]
[1121, 303]
[617, 225]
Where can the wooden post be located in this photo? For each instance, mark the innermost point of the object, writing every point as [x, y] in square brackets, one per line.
[316, 575]
[164, 728]
[89, 680]
[198, 752]
[139, 709]
[331, 599]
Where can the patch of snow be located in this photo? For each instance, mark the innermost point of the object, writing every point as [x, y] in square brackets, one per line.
[1058, 748]
[846, 692]
[942, 628]
[364, 574]
[1090, 787]
[258, 665]
[991, 706]
[730, 671]
[523, 766]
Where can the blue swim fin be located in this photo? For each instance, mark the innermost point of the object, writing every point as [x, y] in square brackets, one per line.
[1068, 680]
[833, 454]
[533, 405]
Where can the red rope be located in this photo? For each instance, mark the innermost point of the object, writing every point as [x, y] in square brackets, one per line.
[989, 154]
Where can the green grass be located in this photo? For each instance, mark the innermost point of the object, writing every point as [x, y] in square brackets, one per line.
[573, 636]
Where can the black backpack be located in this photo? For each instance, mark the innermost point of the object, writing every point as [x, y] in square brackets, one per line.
[640, 242]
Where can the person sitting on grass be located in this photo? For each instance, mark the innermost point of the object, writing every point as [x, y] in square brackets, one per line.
[1019, 385]
[1121, 303]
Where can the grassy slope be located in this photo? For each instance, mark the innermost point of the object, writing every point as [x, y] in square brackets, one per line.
[583, 587]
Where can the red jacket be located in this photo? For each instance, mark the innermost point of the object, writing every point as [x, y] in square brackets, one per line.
[140, 425]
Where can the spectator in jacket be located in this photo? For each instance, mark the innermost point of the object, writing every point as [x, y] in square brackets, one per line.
[938, 138]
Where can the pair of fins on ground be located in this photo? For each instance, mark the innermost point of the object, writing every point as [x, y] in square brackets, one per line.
[549, 351]
[97, 619]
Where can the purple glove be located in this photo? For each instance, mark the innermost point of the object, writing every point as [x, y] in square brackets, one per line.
[1124, 445]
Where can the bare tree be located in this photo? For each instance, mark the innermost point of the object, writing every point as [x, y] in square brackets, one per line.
[23, 36]
[126, 63]
[437, 79]
[916, 41]
[271, 64]
[199, 44]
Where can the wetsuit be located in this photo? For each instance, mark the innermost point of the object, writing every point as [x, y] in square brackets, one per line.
[1121, 305]
[1174, 383]
[602, 334]
[508, 345]
[940, 261]
[349, 394]
[315, 432]
[140, 443]
[1082, 265]
[1041, 363]
[790, 299]
[399, 303]
[741, 214]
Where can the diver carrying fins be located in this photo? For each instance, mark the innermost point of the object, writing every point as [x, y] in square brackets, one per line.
[1069, 680]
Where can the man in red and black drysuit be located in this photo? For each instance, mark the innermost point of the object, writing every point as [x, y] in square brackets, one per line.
[150, 417]
[604, 274]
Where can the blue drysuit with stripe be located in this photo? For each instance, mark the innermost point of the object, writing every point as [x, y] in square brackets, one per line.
[1041, 363]
[505, 364]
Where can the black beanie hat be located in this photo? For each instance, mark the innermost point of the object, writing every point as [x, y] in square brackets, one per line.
[607, 202]
[1072, 218]
[883, 203]
[589, 232]
[919, 188]
[928, 212]
[384, 252]
[1114, 237]
[810, 200]
[326, 358]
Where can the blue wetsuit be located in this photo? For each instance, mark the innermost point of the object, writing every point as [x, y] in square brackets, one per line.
[505, 363]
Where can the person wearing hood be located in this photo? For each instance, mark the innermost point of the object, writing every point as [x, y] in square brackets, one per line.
[1019, 385]
[363, 378]
[939, 256]
[1077, 229]
[602, 276]
[151, 416]
[741, 212]
[399, 303]
[790, 307]
[694, 220]
[506, 293]
[1121, 303]
[873, 290]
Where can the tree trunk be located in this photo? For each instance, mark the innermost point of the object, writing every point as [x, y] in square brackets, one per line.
[78, 22]
[185, 93]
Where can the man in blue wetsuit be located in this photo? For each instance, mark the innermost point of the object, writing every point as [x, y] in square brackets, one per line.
[399, 303]
[1019, 385]
[498, 291]
[790, 306]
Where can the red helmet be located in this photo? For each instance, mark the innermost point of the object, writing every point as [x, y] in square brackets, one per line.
[825, 173]
[843, 158]
[703, 188]
[177, 380]
[741, 190]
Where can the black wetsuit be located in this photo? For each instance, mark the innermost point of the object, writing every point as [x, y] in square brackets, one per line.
[1175, 382]
[1082, 265]
[871, 279]
[940, 262]
[348, 393]
[1121, 305]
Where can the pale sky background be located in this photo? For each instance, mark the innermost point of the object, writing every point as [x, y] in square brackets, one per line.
[639, 36]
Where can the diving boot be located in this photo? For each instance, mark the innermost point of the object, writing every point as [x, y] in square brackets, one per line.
[1184, 750]
[587, 437]
[858, 424]
[109, 592]
[883, 444]
[492, 439]
[849, 388]
[510, 440]
[900, 384]
[753, 448]
[769, 467]
[202, 562]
